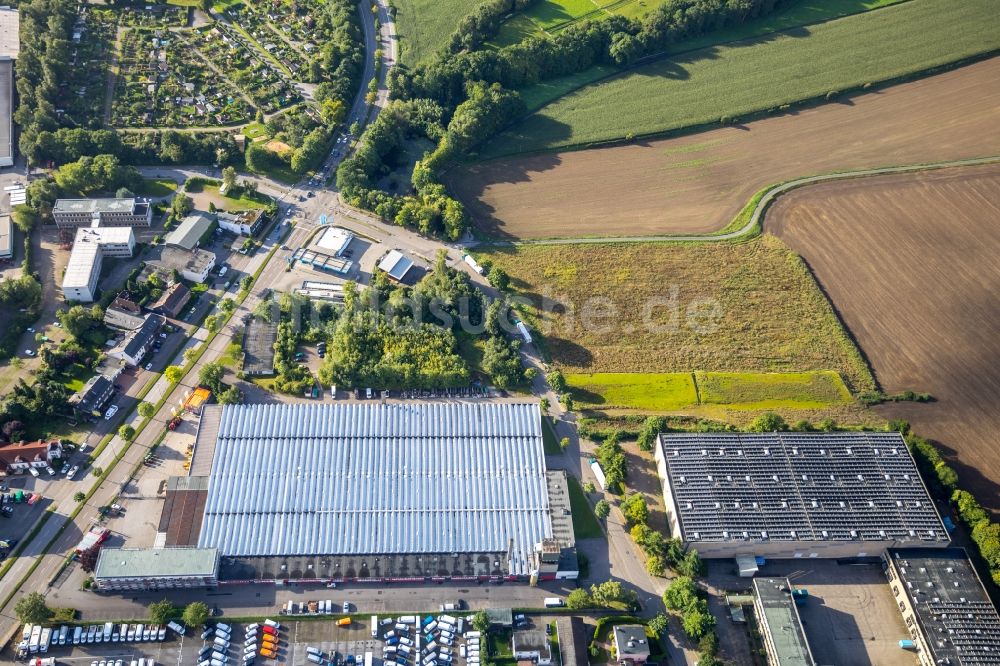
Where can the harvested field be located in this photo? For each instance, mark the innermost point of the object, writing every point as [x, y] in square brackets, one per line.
[912, 262]
[697, 183]
[750, 307]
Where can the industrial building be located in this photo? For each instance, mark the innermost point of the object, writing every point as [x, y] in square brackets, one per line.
[120, 569]
[189, 232]
[91, 245]
[396, 265]
[193, 265]
[790, 495]
[945, 607]
[10, 48]
[780, 625]
[374, 492]
[102, 212]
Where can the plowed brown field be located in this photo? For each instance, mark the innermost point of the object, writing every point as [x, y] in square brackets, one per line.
[698, 183]
[912, 263]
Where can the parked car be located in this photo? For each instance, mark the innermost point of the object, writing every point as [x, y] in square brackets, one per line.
[49, 470]
[112, 410]
[149, 366]
[72, 472]
[7, 511]
[28, 352]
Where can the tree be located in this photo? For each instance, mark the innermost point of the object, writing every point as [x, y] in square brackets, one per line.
[691, 564]
[544, 404]
[182, 204]
[13, 430]
[611, 592]
[97, 471]
[190, 354]
[79, 497]
[227, 305]
[768, 422]
[213, 323]
[650, 429]
[481, 622]
[24, 218]
[656, 565]
[211, 375]
[88, 558]
[126, 432]
[659, 624]
[578, 598]
[564, 443]
[146, 409]
[161, 612]
[229, 179]
[31, 609]
[231, 396]
[602, 509]
[680, 594]
[589, 487]
[195, 614]
[556, 381]
[697, 621]
[635, 510]
[173, 373]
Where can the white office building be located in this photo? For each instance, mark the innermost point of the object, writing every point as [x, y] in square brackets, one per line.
[90, 247]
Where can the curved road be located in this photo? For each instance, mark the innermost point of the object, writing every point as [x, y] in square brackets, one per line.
[765, 201]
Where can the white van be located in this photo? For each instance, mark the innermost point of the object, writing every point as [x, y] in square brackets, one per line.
[272, 624]
[315, 651]
[374, 626]
[554, 602]
[109, 631]
[405, 650]
[77, 633]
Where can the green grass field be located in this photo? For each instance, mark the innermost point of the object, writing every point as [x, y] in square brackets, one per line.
[424, 26]
[255, 130]
[585, 525]
[549, 16]
[676, 391]
[157, 187]
[702, 86]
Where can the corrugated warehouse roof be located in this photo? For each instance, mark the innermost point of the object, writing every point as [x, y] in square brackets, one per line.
[377, 479]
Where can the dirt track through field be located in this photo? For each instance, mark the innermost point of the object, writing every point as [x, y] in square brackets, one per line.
[698, 183]
[912, 263]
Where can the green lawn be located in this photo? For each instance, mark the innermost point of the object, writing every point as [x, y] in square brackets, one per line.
[668, 392]
[763, 390]
[157, 187]
[205, 194]
[254, 130]
[424, 26]
[549, 16]
[549, 439]
[630, 390]
[702, 86]
[585, 525]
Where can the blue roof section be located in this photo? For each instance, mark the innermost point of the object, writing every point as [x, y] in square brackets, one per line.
[373, 478]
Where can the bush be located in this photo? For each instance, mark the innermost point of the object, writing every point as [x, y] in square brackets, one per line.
[768, 422]
[653, 426]
[578, 599]
[195, 614]
[161, 612]
[31, 609]
[602, 509]
[635, 510]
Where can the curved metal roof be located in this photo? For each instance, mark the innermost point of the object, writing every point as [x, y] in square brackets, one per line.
[377, 479]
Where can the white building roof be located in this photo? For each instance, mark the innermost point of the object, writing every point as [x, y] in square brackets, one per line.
[10, 29]
[6, 249]
[335, 239]
[100, 235]
[351, 479]
[81, 264]
[395, 264]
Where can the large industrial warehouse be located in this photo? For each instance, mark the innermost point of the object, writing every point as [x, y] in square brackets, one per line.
[374, 491]
[789, 495]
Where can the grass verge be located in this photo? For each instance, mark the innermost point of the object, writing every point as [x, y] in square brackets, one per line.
[585, 525]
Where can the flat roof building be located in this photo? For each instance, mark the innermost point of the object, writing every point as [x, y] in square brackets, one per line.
[6, 238]
[780, 625]
[246, 223]
[92, 244]
[111, 212]
[189, 232]
[193, 265]
[335, 240]
[374, 491]
[156, 568]
[631, 644]
[788, 495]
[947, 610]
[10, 48]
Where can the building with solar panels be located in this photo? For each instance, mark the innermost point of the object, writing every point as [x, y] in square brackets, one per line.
[792, 495]
[374, 492]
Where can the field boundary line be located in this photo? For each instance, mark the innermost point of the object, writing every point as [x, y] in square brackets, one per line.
[752, 227]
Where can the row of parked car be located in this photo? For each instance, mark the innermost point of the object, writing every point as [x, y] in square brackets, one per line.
[257, 638]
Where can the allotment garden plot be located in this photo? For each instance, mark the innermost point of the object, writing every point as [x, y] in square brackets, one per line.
[164, 83]
[81, 99]
[255, 73]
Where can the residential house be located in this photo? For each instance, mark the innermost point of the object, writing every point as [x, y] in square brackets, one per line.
[533, 645]
[172, 301]
[18, 457]
[123, 314]
[137, 343]
[631, 644]
[94, 395]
